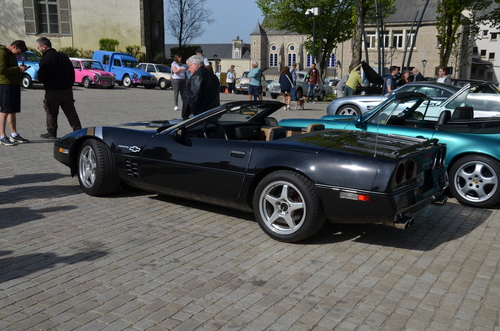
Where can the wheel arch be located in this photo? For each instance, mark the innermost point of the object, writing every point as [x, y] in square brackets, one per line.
[260, 176]
[469, 153]
[75, 149]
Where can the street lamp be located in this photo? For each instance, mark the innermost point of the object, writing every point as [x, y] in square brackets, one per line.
[313, 12]
[216, 63]
[424, 63]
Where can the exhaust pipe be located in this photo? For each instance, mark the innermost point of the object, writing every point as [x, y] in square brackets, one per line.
[440, 201]
[402, 223]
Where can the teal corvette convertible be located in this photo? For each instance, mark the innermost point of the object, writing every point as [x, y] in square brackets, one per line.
[473, 143]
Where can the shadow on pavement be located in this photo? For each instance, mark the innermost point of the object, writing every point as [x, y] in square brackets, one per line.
[20, 266]
[30, 178]
[12, 216]
[425, 234]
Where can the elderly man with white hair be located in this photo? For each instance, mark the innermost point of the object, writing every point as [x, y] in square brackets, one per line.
[254, 86]
[202, 91]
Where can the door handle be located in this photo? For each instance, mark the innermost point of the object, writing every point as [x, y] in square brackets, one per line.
[238, 154]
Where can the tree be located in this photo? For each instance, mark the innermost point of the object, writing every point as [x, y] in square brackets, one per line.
[333, 24]
[451, 18]
[364, 11]
[184, 19]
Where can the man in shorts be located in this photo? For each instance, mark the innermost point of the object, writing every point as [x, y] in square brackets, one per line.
[10, 91]
[254, 85]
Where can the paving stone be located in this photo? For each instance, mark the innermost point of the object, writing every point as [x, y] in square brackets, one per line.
[139, 261]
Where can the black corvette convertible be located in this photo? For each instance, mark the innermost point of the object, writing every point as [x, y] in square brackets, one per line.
[235, 156]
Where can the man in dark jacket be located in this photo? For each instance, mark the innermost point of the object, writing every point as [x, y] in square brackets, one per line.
[57, 75]
[202, 92]
[417, 76]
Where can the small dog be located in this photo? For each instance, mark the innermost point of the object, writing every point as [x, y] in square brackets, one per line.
[300, 103]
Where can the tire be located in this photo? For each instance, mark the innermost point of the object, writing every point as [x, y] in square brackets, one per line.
[299, 93]
[126, 81]
[274, 96]
[288, 207]
[163, 84]
[87, 83]
[475, 180]
[349, 110]
[321, 96]
[26, 81]
[96, 169]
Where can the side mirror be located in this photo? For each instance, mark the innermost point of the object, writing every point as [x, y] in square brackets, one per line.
[358, 122]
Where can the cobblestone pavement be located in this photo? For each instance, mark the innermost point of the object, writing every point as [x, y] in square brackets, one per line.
[139, 261]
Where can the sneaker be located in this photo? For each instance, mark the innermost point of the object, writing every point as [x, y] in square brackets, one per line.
[284, 107]
[48, 135]
[18, 139]
[5, 141]
[176, 108]
[288, 107]
[313, 102]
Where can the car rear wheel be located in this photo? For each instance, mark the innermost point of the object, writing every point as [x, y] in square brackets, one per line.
[475, 180]
[127, 82]
[27, 82]
[163, 84]
[349, 110]
[87, 83]
[287, 206]
[96, 169]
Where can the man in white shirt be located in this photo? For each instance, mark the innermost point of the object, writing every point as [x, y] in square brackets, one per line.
[199, 51]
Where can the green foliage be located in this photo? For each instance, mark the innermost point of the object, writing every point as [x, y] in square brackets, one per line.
[108, 44]
[86, 54]
[133, 50]
[36, 51]
[160, 58]
[332, 26]
[70, 51]
[450, 19]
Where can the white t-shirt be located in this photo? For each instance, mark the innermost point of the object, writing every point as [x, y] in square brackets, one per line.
[180, 74]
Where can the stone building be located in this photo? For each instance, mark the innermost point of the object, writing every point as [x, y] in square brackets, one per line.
[81, 24]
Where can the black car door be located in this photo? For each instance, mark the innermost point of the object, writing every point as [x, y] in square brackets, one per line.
[210, 170]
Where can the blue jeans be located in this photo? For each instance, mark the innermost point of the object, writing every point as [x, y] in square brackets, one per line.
[310, 91]
[294, 93]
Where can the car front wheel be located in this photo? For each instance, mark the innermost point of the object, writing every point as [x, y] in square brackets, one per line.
[127, 82]
[163, 84]
[474, 181]
[349, 110]
[96, 169]
[87, 83]
[287, 206]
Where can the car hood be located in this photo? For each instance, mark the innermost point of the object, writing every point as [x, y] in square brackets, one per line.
[100, 72]
[371, 75]
[139, 72]
[356, 142]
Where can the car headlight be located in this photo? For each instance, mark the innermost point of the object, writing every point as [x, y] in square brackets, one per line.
[134, 76]
[96, 77]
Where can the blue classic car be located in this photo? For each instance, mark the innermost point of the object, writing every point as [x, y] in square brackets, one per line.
[235, 156]
[473, 154]
[31, 75]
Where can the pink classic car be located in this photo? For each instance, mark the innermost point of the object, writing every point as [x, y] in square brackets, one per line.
[90, 72]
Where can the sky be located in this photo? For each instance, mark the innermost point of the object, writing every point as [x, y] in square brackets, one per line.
[232, 18]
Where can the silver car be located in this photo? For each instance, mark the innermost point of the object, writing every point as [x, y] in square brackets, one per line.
[359, 104]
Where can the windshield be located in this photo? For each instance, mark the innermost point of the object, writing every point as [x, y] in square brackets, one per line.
[162, 68]
[92, 65]
[129, 63]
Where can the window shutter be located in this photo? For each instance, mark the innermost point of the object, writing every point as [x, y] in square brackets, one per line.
[65, 17]
[29, 16]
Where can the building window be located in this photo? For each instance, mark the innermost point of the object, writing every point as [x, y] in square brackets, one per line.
[331, 61]
[475, 50]
[485, 33]
[273, 60]
[371, 41]
[494, 36]
[50, 17]
[292, 58]
[236, 54]
[491, 56]
[483, 52]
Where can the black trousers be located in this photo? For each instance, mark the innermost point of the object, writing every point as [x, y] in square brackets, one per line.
[64, 99]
